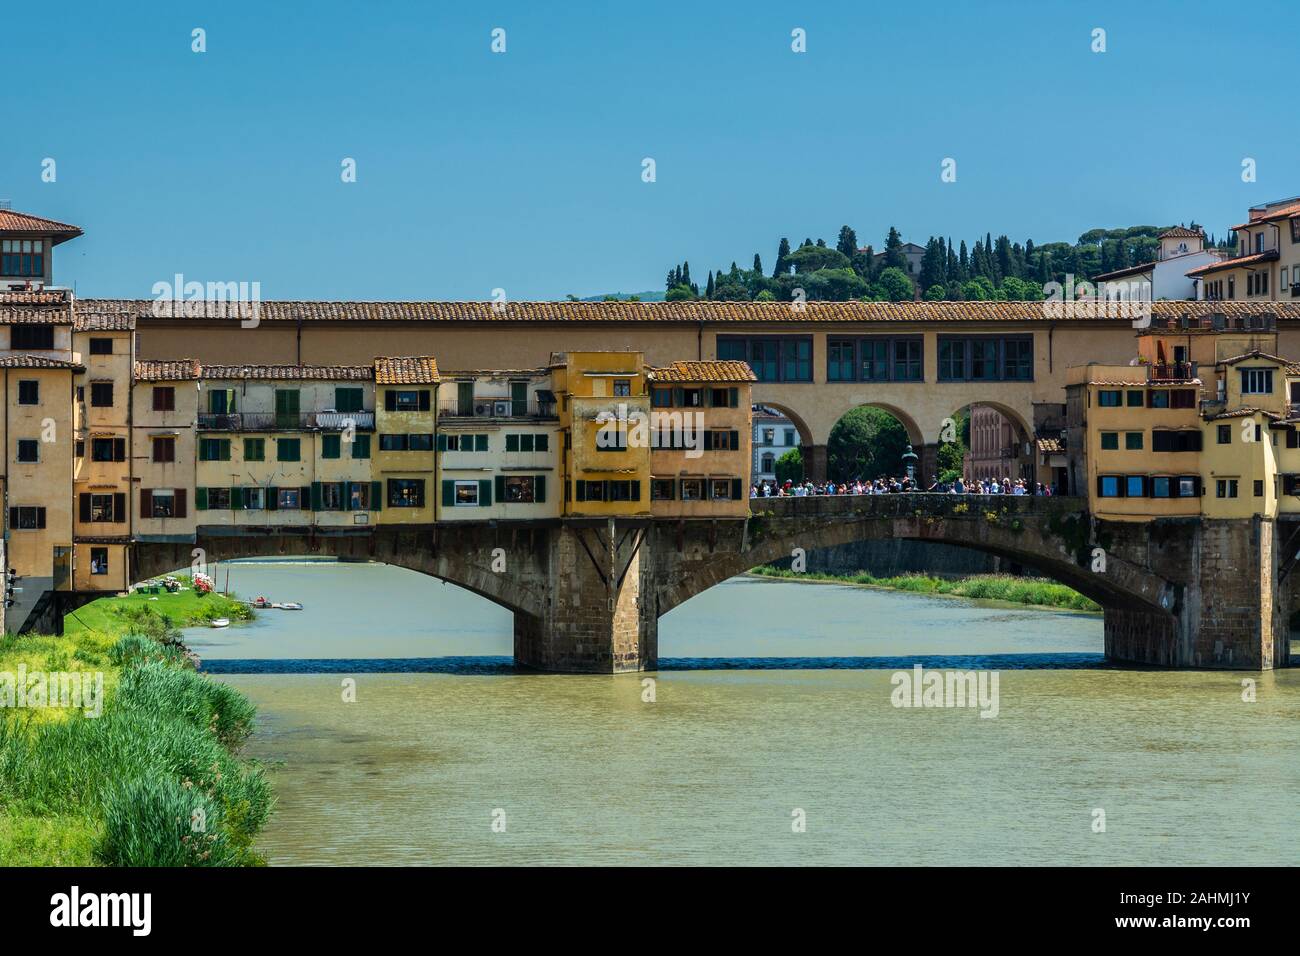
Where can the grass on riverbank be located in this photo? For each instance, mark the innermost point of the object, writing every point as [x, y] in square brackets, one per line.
[993, 587]
[155, 779]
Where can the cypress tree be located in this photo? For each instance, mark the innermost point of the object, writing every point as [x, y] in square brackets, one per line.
[758, 265]
[708, 289]
[782, 257]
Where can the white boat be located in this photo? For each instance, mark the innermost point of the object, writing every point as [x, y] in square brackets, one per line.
[288, 606]
[220, 622]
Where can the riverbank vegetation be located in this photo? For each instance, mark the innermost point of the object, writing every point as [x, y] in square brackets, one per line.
[991, 587]
[155, 777]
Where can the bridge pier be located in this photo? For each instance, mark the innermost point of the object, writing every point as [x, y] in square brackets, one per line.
[814, 462]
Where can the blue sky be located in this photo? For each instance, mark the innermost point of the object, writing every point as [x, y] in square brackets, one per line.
[522, 170]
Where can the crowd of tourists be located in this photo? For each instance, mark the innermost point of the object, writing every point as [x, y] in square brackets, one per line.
[897, 486]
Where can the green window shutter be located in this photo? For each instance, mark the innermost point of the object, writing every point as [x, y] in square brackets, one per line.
[736, 491]
[480, 442]
[442, 443]
[582, 490]
[518, 398]
[735, 441]
[448, 494]
[525, 442]
[225, 450]
[315, 496]
[636, 491]
[708, 441]
[200, 499]
[361, 446]
[543, 442]
[512, 443]
[236, 499]
[330, 446]
[539, 489]
[733, 397]
[230, 401]
[484, 493]
[304, 497]
[272, 499]
[376, 496]
[424, 399]
[679, 396]
[465, 398]
[501, 487]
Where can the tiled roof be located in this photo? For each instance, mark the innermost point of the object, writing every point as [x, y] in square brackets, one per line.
[23, 360]
[1050, 446]
[705, 372]
[1120, 273]
[1178, 232]
[406, 370]
[1285, 212]
[102, 321]
[34, 297]
[1236, 263]
[177, 371]
[1245, 412]
[1253, 354]
[35, 315]
[11, 221]
[342, 373]
[687, 312]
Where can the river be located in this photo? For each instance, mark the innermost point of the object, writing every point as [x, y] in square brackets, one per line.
[771, 738]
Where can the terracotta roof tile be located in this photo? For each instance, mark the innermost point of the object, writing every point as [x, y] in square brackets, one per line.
[102, 321]
[1252, 354]
[705, 372]
[23, 360]
[35, 297]
[12, 221]
[341, 373]
[35, 315]
[1236, 263]
[1050, 446]
[1245, 412]
[1179, 232]
[1284, 212]
[686, 312]
[406, 370]
[180, 370]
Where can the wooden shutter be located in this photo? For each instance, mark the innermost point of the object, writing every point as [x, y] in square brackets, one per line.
[146, 503]
[236, 499]
[424, 399]
[119, 506]
[512, 443]
[448, 493]
[178, 508]
[501, 487]
[733, 397]
[315, 496]
[581, 490]
[40, 519]
[736, 490]
[376, 496]
[390, 400]
[304, 497]
[13, 518]
[484, 493]
[200, 499]
[480, 442]
[442, 443]
[734, 440]
[539, 489]
[636, 490]
[119, 449]
[272, 499]
[83, 504]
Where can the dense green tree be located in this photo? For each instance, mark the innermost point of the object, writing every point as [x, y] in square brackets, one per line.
[893, 285]
[789, 467]
[679, 293]
[782, 259]
[894, 257]
[847, 244]
[812, 258]
[865, 443]
[758, 264]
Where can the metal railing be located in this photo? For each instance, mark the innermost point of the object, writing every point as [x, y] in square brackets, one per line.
[1171, 372]
[283, 421]
[495, 408]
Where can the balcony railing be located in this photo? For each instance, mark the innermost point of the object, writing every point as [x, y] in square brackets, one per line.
[284, 421]
[495, 408]
[1171, 372]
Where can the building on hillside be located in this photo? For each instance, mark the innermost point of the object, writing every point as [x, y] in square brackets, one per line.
[912, 254]
[498, 446]
[774, 435]
[1181, 250]
[1267, 264]
[406, 410]
[700, 439]
[605, 461]
[103, 466]
[26, 245]
[165, 412]
[290, 439]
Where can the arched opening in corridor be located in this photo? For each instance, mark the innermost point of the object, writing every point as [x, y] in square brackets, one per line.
[874, 443]
[987, 442]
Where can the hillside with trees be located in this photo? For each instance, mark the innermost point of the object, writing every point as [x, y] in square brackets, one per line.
[990, 269]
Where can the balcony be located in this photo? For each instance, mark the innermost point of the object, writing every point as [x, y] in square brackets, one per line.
[284, 421]
[1172, 372]
[496, 407]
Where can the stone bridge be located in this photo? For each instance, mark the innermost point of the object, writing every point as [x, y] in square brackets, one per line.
[587, 594]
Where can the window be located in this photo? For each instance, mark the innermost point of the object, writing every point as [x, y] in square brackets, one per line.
[1133, 441]
[773, 358]
[254, 499]
[289, 499]
[623, 490]
[622, 387]
[1182, 398]
[108, 449]
[1108, 486]
[331, 446]
[26, 519]
[1109, 398]
[692, 398]
[661, 489]
[1167, 440]
[724, 489]
[79, 448]
[359, 496]
[31, 337]
[102, 508]
[1189, 486]
[101, 394]
[213, 449]
[333, 496]
[769, 435]
[768, 463]
[29, 392]
[525, 442]
[1160, 488]
[164, 448]
[1158, 398]
[1225, 488]
[22, 257]
[28, 450]
[519, 489]
[692, 489]
[1225, 434]
[288, 407]
[288, 449]
[348, 399]
[218, 498]
[661, 397]
[99, 560]
[406, 492]
[1109, 441]
[221, 401]
[392, 442]
[874, 359]
[789, 436]
[986, 358]
[721, 440]
[840, 361]
[1135, 486]
[360, 446]
[421, 442]
[1134, 398]
[158, 503]
[164, 398]
[254, 449]
[406, 400]
[1256, 381]
[1259, 488]
[465, 494]
[462, 443]
[101, 346]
